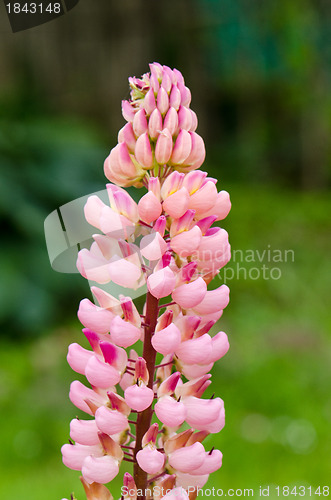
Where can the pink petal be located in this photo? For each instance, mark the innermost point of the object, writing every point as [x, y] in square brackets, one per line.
[188, 458]
[73, 455]
[99, 469]
[153, 246]
[195, 350]
[214, 300]
[201, 412]
[123, 333]
[166, 341]
[182, 148]
[150, 460]
[110, 421]
[161, 283]
[101, 374]
[139, 397]
[163, 148]
[143, 151]
[171, 121]
[149, 208]
[190, 294]
[78, 358]
[92, 210]
[140, 123]
[212, 463]
[124, 273]
[203, 199]
[79, 393]
[155, 124]
[185, 243]
[171, 412]
[94, 317]
[162, 101]
[177, 203]
[84, 432]
[126, 135]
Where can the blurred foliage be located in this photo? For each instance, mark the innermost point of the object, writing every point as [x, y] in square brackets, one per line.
[44, 163]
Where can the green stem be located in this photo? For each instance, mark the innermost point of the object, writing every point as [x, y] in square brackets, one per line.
[144, 418]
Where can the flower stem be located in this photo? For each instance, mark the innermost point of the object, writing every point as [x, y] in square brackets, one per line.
[144, 418]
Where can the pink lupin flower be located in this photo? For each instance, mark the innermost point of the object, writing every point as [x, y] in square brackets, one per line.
[161, 283]
[177, 203]
[126, 135]
[84, 432]
[80, 396]
[167, 241]
[149, 458]
[99, 469]
[203, 412]
[214, 300]
[101, 374]
[182, 147]
[155, 124]
[195, 350]
[143, 151]
[212, 462]
[186, 242]
[162, 101]
[140, 123]
[139, 396]
[153, 246]
[149, 102]
[163, 148]
[190, 294]
[74, 455]
[110, 421]
[166, 341]
[171, 121]
[123, 333]
[171, 412]
[149, 208]
[188, 458]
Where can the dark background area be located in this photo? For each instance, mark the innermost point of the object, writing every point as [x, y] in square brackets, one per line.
[259, 72]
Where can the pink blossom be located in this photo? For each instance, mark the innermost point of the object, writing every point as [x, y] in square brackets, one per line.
[99, 469]
[139, 397]
[150, 460]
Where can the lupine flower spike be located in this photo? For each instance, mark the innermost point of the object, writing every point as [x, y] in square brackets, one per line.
[138, 400]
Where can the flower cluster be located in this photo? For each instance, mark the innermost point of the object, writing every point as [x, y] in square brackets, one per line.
[152, 415]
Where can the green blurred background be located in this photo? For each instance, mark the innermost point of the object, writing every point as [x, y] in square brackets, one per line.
[260, 79]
